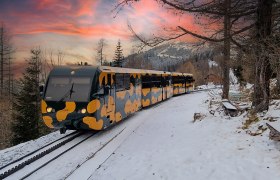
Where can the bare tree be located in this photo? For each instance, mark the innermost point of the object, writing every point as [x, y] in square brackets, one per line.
[248, 21]
[274, 56]
[257, 49]
[6, 86]
[55, 58]
[100, 51]
[6, 51]
[227, 14]
[50, 59]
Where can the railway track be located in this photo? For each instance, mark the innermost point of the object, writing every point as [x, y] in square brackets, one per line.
[97, 157]
[15, 166]
[93, 156]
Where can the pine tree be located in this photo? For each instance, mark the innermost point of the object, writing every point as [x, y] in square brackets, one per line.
[118, 59]
[26, 103]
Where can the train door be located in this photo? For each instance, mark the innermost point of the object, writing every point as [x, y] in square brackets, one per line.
[109, 98]
[164, 87]
[185, 84]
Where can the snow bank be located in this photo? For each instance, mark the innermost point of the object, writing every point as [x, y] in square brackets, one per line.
[169, 146]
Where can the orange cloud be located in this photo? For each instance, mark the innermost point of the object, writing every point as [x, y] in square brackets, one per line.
[86, 8]
[72, 29]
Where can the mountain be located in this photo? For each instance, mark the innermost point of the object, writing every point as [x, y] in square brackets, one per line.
[169, 55]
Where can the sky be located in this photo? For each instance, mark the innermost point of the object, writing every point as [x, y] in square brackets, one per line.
[75, 26]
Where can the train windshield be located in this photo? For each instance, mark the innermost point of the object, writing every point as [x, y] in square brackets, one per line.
[68, 89]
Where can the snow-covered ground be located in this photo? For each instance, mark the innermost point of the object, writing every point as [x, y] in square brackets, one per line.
[170, 146]
[15, 152]
[164, 142]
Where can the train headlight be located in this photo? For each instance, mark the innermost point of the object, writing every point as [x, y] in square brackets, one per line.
[83, 111]
[49, 109]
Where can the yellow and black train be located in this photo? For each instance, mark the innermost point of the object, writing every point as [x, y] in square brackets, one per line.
[94, 98]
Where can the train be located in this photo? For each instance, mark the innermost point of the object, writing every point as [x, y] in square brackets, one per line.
[97, 97]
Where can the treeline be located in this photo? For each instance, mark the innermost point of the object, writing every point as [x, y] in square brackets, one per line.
[20, 99]
[20, 106]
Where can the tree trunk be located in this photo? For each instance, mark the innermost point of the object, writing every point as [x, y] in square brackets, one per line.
[1, 59]
[226, 50]
[263, 70]
[278, 81]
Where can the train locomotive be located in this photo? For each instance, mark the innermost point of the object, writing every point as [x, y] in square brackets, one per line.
[96, 97]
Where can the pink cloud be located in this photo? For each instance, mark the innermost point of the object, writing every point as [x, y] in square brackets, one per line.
[153, 18]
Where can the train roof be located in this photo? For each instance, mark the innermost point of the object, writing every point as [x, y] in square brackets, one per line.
[180, 74]
[91, 70]
[187, 74]
[130, 70]
[142, 71]
[71, 70]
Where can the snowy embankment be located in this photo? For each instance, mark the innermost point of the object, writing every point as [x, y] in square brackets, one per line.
[163, 142]
[15, 152]
[170, 146]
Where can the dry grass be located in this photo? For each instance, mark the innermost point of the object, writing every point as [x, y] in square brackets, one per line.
[274, 93]
[6, 122]
[198, 117]
[252, 118]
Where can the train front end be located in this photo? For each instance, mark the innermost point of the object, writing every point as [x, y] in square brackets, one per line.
[67, 98]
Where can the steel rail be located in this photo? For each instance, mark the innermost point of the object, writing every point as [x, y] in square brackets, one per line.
[33, 152]
[62, 153]
[36, 157]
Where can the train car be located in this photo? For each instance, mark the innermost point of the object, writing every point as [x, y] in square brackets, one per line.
[94, 98]
[156, 87]
[182, 83]
[189, 82]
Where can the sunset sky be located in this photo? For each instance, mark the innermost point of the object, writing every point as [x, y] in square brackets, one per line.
[75, 26]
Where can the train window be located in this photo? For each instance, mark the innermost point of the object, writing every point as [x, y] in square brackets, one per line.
[80, 80]
[165, 81]
[122, 82]
[119, 82]
[126, 81]
[59, 81]
[137, 80]
[114, 78]
[59, 86]
[146, 81]
[190, 79]
[132, 80]
[178, 79]
[168, 81]
[109, 79]
[156, 81]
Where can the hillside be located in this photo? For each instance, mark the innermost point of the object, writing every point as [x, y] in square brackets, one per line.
[169, 56]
